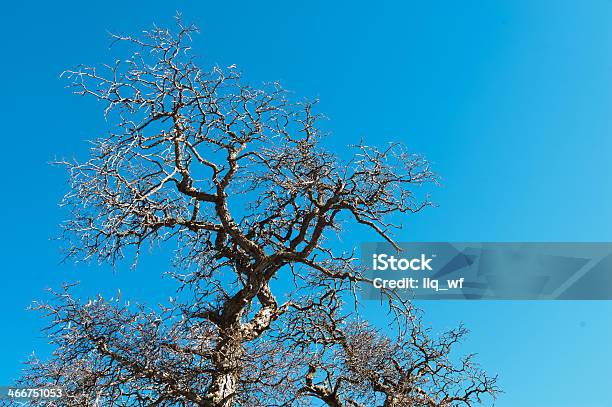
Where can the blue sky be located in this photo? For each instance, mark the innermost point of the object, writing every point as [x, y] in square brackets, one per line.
[510, 99]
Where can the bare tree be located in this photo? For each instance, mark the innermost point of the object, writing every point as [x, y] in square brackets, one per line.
[238, 178]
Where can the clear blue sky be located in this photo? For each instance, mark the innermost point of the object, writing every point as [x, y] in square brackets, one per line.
[511, 100]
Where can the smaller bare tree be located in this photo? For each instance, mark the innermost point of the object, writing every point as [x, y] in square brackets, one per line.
[239, 178]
